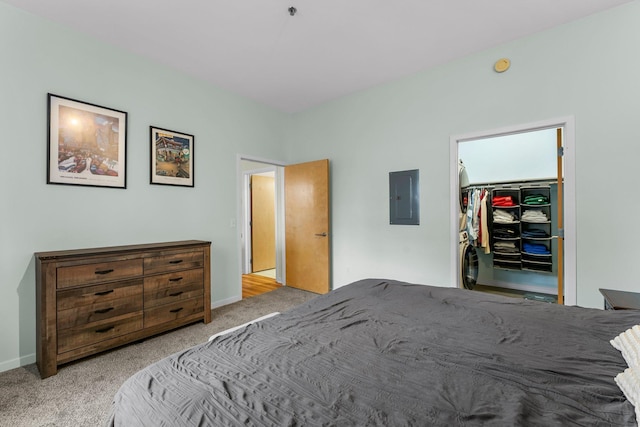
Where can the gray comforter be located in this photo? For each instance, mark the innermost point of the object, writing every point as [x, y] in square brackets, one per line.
[386, 353]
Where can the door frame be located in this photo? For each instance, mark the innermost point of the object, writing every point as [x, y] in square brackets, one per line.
[243, 214]
[569, 213]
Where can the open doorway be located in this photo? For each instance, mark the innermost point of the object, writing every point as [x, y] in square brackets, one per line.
[566, 273]
[261, 239]
[260, 231]
[303, 258]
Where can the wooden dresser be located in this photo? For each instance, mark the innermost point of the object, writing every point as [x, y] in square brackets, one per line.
[91, 300]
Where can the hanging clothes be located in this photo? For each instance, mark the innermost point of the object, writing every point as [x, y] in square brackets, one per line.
[484, 225]
[473, 228]
[478, 210]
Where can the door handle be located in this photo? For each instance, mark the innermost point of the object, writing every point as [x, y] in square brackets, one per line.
[321, 234]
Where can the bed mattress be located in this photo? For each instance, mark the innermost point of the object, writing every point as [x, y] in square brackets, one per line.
[387, 353]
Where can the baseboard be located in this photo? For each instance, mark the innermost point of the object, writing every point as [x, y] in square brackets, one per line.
[16, 363]
[227, 301]
[520, 287]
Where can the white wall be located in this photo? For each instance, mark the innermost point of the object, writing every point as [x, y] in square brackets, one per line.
[519, 157]
[40, 57]
[588, 69]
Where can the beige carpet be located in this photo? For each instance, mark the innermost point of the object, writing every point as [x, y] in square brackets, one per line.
[81, 393]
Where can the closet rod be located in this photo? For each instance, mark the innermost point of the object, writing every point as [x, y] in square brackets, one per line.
[546, 181]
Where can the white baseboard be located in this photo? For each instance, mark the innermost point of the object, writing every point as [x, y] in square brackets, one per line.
[16, 363]
[519, 287]
[220, 303]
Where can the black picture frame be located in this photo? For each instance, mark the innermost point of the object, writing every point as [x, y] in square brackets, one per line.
[86, 144]
[172, 157]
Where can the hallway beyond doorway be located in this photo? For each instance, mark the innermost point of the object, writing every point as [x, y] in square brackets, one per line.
[267, 273]
[255, 284]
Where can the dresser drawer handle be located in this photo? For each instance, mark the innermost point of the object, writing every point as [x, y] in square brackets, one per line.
[175, 310]
[177, 261]
[105, 271]
[104, 292]
[104, 310]
[177, 279]
[103, 330]
[175, 294]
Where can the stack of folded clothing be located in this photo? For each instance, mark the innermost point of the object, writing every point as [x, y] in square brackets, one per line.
[502, 201]
[501, 216]
[509, 247]
[533, 233]
[535, 199]
[505, 233]
[534, 215]
[535, 248]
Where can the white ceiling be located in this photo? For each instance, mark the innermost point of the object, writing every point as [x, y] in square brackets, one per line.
[329, 49]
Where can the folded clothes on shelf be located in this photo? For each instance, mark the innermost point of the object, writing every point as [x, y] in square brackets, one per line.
[534, 233]
[535, 199]
[535, 248]
[509, 247]
[534, 215]
[505, 233]
[504, 216]
[502, 201]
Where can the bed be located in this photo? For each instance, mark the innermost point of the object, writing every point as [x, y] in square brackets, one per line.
[388, 353]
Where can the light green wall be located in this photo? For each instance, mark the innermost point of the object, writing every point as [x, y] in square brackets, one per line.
[40, 57]
[589, 69]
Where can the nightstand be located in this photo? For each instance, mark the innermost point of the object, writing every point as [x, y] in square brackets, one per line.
[620, 300]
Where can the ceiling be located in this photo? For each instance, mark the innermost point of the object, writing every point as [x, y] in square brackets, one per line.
[328, 49]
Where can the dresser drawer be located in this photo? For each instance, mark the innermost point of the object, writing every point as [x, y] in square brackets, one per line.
[87, 274]
[169, 312]
[80, 336]
[171, 287]
[94, 303]
[172, 261]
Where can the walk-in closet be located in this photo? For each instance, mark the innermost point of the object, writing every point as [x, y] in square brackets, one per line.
[510, 214]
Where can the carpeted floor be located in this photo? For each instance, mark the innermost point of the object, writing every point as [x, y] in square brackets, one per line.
[80, 394]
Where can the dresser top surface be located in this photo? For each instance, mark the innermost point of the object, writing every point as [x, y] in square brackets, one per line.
[621, 300]
[53, 255]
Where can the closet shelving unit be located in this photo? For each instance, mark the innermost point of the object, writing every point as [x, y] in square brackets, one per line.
[526, 242]
[506, 239]
[535, 223]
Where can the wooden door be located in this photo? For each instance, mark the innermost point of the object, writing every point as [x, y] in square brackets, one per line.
[263, 223]
[307, 235]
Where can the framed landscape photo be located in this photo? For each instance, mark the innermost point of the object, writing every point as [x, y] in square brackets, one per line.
[171, 157]
[86, 144]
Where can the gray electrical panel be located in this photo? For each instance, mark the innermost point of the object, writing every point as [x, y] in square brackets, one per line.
[404, 197]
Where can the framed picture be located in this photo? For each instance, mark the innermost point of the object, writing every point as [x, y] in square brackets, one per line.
[171, 157]
[87, 144]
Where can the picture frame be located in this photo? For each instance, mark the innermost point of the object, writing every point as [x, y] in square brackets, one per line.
[86, 144]
[172, 157]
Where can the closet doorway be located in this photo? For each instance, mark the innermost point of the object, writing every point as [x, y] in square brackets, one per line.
[499, 175]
